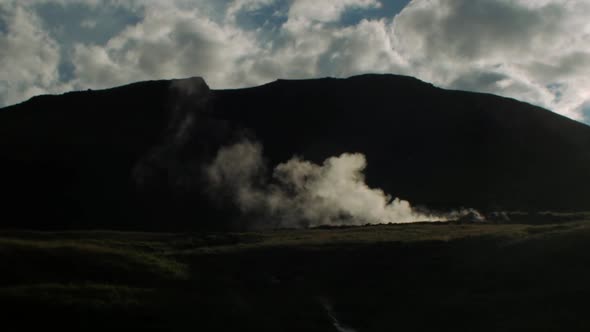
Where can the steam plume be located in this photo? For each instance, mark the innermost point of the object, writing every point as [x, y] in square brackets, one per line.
[299, 193]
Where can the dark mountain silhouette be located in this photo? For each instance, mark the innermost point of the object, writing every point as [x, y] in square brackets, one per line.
[132, 157]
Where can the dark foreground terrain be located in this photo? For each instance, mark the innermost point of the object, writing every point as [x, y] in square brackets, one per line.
[441, 277]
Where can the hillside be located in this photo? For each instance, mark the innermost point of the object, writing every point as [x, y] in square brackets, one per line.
[132, 157]
[440, 277]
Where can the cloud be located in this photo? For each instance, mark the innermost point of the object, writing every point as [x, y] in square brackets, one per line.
[512, 48]
[533, 50]
[29, 57]
[326, 10]
[167, 43]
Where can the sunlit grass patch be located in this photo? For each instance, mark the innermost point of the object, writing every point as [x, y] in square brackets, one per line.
[27, 260]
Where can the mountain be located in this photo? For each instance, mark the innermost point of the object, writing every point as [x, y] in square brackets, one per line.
[132, 157]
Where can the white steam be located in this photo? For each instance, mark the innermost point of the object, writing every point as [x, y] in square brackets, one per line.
[304, 194]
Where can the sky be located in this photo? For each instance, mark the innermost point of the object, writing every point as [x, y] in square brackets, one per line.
[537, 51]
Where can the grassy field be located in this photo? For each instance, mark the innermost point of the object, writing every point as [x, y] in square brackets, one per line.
[443, 277]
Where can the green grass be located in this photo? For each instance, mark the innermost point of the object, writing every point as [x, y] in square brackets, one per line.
[95, 296]
[68, 260]
[478, 277]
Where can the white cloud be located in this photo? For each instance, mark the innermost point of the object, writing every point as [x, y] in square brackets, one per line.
[167, 43]
[327, 10]
[529, 46]
[533, 50]
[29, 58]
[366, 47]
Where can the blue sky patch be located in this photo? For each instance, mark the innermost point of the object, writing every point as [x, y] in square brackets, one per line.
[557, 90]
[79, 23]
[267, 17]
[586, 112]
[389, 8]
[3, 25]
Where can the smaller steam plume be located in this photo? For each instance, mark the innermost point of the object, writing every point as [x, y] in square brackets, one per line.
[299, 193]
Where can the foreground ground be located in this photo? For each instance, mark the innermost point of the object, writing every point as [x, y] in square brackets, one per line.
[381, 278]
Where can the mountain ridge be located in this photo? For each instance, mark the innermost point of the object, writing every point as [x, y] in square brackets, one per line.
[133, 155]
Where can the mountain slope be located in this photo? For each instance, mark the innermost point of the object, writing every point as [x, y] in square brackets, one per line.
[431, 146]
[132, 157]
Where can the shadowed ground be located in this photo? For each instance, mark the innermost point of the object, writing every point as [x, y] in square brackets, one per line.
[412, 277]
